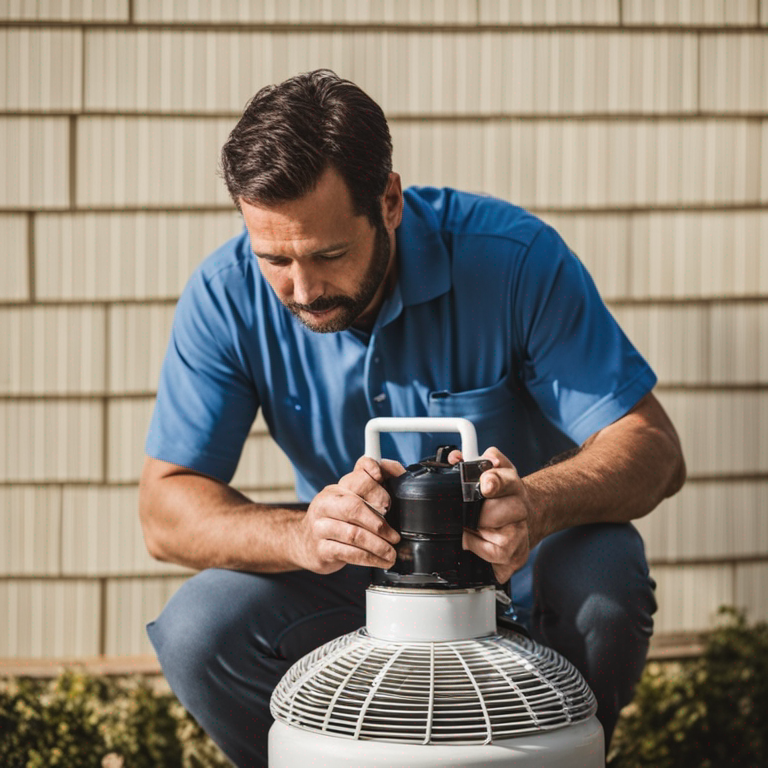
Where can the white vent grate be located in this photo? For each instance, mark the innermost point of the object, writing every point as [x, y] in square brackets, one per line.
[461, 692]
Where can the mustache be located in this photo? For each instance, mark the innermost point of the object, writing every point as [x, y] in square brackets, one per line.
[322, 303]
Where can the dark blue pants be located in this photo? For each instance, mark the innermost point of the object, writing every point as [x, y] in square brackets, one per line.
[226, 637]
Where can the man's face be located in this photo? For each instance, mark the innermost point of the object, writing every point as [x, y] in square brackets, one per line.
[326, 265]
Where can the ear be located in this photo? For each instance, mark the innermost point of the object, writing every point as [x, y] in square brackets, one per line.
[392, 203]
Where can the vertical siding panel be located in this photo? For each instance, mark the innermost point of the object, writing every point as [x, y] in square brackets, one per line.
[102, 534]
[131, 604]
[34, 162]
[138, 340]
[14, 279]
[128, 422]
[61, 350]
[31, 520]
[689, 597]
[752, 590]
[690, 12]
[51, 441]
[49, 619]
[263, 465]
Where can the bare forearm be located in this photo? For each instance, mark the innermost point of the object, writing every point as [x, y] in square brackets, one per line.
[620, 474]
[200, 523]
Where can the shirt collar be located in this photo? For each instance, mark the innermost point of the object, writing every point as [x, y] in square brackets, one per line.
[423, 260]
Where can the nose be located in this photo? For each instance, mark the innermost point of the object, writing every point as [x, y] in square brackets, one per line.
[307, 286]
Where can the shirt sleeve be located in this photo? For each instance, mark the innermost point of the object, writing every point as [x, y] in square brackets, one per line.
[206, 402]
[577, 362]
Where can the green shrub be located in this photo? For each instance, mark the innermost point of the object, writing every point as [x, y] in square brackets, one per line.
[83, 721]
[712, 711]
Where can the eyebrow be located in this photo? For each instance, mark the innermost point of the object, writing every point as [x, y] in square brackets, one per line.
[321, 252]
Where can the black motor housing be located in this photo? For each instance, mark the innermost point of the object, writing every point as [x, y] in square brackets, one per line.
[430, 515]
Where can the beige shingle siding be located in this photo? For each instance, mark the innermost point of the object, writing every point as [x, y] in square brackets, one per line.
[588, 163]
[49, 618]
[30, 519]
[52, 350]
[671, 254]
[734, 73]
[723, 432]
[309, 11]
[51, 441]
[129, 256]
[127, 424]
[691, 12]
[752, 589]
[34, 162]
[138, 338]
[544, 12]
[718, 344]
[41, 70]
[709, 520]
[131, 604]
[261, 466]
[64, 10]
[689, 597]
[129, 162]
[409, 73]
[639, 129]
[101, 534]
[14, 257]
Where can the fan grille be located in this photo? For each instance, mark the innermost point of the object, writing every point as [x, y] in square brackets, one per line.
[461, 692]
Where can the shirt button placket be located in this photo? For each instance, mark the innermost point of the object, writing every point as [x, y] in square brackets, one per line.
[379, 399]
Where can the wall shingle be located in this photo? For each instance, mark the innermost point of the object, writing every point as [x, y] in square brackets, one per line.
[590, 163]
[41, 70]
[30, 518]
[113, 256]
[150, 161]
[545, 12]
[715, 519]
[52, 350]
[689, 597]
[101, 534]
[34, 162]
[14, 261]
[309, 11]
[734, 73]
[721, 431]
[50, 441]
[71, 10]
[691, 12]
[49, 619]
[408, 73]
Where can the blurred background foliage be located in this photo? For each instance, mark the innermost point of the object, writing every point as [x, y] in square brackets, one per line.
[706, 712]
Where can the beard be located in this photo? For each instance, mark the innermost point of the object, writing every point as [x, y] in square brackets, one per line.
[351, 306]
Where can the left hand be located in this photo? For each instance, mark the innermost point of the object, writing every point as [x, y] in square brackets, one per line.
[503, 537]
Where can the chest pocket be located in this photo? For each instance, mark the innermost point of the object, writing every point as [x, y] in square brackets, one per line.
[490, 409]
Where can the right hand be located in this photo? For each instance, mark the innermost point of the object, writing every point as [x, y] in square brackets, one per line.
[345, 522]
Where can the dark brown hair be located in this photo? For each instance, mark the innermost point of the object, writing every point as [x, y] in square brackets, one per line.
[290, 133]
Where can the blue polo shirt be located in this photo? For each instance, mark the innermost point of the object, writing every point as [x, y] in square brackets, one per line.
[492, 318]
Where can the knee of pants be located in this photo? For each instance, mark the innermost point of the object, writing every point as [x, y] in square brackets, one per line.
[595, 574]
[193, 631]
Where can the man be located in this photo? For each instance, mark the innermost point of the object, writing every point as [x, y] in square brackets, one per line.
[347, 298]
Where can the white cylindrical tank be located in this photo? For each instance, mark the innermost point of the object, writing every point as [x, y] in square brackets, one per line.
[577, 746]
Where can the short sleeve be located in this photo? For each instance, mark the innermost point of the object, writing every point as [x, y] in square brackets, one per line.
[577, 363]
[206, 402]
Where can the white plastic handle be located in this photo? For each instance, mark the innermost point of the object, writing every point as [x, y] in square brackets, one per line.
[420, 424]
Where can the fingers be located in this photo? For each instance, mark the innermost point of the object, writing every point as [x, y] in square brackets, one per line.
[506, 549]
[356, 545]
[502, 479]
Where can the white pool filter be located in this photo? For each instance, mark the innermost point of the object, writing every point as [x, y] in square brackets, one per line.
[430, 681]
